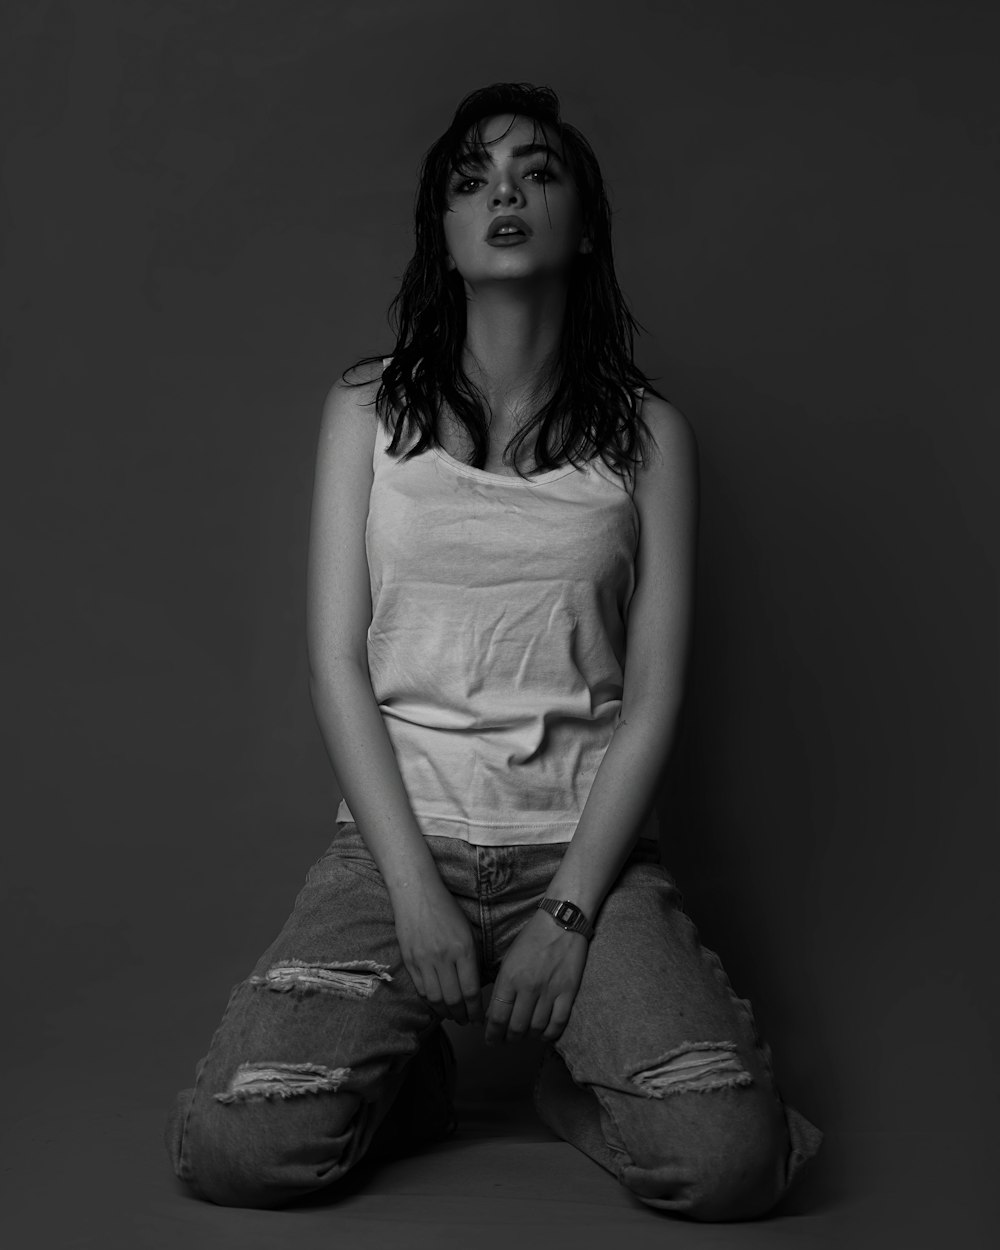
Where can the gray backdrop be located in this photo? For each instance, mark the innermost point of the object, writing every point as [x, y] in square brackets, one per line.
[207, 208]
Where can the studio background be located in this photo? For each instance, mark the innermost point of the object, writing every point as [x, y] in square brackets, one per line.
[207, 208]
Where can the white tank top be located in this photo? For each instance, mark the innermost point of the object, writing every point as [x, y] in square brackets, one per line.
[497, 643]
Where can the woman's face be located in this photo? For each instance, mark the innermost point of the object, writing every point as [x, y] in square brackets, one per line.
[516, 181]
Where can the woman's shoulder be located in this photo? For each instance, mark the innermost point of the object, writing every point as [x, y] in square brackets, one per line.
[352, 395]
[360, 379]
[670, 464]
[665, 420]
[349, 421]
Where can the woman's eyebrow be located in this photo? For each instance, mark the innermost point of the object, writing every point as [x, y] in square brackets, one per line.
[477, 159]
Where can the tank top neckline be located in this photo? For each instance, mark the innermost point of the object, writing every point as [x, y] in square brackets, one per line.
[513, 479]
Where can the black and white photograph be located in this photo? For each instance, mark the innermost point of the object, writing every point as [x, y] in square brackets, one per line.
[502, 675]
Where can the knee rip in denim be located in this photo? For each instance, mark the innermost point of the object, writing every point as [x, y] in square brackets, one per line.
[281, 1080]
[357, 978]
[695, 1067]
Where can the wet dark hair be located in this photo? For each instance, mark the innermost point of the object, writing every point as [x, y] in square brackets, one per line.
[591, 409]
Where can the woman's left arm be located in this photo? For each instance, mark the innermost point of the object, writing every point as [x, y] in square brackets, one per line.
[626, 783]
[659, 630]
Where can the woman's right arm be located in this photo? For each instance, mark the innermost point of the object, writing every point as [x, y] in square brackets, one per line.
[435, 938]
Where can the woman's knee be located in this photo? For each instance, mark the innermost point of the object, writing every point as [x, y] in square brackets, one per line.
[263, 1153]
[738, 1174]
[742, 1183]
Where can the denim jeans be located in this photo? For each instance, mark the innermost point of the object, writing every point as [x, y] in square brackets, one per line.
[659, 1075]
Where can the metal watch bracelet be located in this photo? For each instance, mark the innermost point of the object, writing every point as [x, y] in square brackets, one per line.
[568, 915]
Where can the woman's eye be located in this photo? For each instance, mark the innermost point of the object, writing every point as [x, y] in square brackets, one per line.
[468, 184]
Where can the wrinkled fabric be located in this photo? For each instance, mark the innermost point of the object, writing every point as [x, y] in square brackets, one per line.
[497, 643]
[302, 1081]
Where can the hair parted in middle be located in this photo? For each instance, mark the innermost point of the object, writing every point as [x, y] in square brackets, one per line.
[591, 409]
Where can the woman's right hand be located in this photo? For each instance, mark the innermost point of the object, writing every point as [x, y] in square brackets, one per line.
[439, 952]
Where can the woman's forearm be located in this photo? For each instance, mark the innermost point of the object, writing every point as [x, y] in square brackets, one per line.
[619, 801]
[365, 765]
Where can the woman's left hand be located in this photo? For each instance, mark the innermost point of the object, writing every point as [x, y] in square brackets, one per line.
[541, 974]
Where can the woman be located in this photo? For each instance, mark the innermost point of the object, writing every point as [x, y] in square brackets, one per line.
[500, 579]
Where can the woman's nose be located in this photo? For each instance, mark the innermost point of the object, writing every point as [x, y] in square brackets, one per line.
[507, 193]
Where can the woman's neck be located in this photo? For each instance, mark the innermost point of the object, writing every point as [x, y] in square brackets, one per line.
[512, 343]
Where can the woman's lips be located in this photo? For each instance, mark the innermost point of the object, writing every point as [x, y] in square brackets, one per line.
[505, 240]
[509, 221]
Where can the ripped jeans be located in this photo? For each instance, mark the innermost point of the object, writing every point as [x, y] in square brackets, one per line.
[659, 1075]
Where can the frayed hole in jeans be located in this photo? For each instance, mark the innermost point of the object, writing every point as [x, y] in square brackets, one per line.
[281, 1080]
[695, 1067]
[358, 978]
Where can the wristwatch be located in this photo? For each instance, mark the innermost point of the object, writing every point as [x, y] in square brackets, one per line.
[568, 915]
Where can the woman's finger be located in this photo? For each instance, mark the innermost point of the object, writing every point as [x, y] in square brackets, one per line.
[432, 988]
[501, 1006]
[468, 981]
[520, 1017]
[417, 977]
[540, 1017]
[454, 1002]
[560, 1018]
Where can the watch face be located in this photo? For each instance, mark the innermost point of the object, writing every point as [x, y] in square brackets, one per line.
[567, 913]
